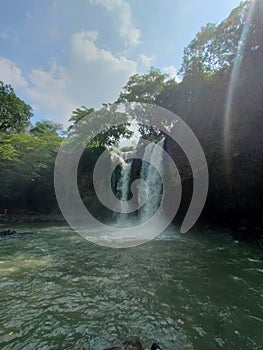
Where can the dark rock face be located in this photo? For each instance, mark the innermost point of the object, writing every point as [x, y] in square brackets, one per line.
[232, 143]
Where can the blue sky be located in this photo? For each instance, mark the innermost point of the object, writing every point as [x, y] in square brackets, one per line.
[61, 54]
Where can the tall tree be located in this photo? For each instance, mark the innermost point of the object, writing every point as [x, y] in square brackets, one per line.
[216, 47]
[23, 158]
[145, 87]
[87, 117]
[46, 127]
[14, 113]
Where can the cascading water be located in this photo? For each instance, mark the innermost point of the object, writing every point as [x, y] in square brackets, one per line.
[153, 152]
[115, 160]
[126, 155]
[124, 185]
[122, 189]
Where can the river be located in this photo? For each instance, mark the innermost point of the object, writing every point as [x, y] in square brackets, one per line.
[200, 290]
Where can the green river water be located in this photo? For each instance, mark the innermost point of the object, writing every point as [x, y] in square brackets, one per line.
[200, 290]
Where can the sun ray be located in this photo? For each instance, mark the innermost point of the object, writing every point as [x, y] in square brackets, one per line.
[233, 85]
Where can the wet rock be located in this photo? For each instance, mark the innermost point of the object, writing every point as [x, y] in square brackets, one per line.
[133, 344]
[155, 347]
[5, 233]
[12, 233]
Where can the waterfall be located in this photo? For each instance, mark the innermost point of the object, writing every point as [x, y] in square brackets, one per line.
[126, 155]
[153, 152]
[124, 184]
[116, 159]
[123, 187]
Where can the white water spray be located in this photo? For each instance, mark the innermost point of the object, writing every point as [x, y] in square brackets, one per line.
[124, 185]
[151, 173]
[152, 178]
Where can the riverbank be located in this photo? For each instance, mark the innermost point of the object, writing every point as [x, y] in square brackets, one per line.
[24, 217]
[247, 230]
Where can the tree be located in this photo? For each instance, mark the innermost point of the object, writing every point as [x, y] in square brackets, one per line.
[83, 117]
[216, 47]
[198, 58]
[145, 87]
[26, 163]
[14, 113]
[253, 41]
[78, 114]
[46, 127]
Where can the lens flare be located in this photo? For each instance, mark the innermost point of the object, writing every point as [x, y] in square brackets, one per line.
[233, 86]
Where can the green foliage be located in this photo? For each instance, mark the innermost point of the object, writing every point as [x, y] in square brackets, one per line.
[215, 47]
[145, 87]
[87, 119]
[27, 158]
[198, 57]
[253, 39]
[127, 148]
[78, 114]
[46, 127]
[24, 159]
[14, 113]
[7, 151]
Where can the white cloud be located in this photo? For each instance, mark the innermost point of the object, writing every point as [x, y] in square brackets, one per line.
[97, 75]
[83, 46]
[91, 35]
[44, 90]
[146, 61]
[90, 76]
[127, 30]
[11, 74]
[172, 72]
[48, 90]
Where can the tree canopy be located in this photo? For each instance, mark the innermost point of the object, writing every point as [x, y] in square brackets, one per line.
[215, 47]
[145, 87]
[46, 127]
[87, 117]
[27, 155]
[15, 114]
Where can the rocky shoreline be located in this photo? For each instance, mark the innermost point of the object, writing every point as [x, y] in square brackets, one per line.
[24, 217]
[241, 229]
